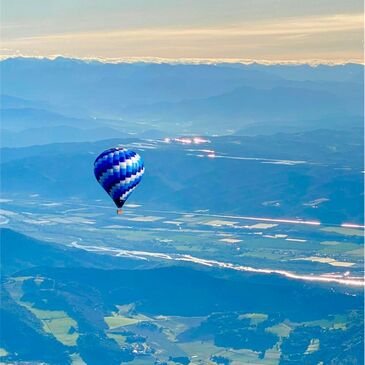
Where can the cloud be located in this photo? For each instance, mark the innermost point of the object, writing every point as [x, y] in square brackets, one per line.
[308, 25]
[329, 37]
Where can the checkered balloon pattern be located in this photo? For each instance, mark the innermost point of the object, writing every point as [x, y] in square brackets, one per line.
[119, 171]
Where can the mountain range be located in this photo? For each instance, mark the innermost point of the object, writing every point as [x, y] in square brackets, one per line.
[172, 99]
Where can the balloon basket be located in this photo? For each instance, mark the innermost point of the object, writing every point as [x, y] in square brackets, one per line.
[119, 211]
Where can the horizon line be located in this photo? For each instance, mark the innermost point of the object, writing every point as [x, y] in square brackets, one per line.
[192, 61]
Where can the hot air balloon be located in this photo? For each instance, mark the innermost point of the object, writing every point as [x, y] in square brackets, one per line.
[119, 171]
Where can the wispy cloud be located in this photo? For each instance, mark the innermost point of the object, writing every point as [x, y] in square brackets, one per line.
[328, 37]
[296, 26]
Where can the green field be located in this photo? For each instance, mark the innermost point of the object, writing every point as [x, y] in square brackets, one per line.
[345, 231]
[120, 339]
[255, 318]
[281, 329]
[3, 352]
[77, 360]
[58, 323]
[117, 320]
[337, 322]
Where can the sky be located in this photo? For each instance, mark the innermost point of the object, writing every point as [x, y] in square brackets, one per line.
[248, 30]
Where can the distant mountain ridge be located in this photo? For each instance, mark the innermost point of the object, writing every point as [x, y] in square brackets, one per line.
[244, 106]
[179, 98]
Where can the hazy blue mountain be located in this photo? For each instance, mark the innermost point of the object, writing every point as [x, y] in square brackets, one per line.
[57, 134]
[334, 73]
[71, 81]
[26, 126]
[19, 119]
[183, 98]
[12, 102]
[246, 105]
[344, 123]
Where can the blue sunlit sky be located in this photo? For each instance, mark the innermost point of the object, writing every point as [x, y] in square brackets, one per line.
[261, 30]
